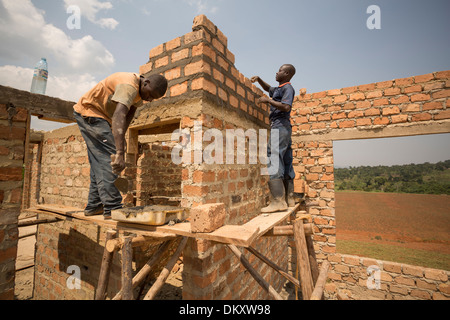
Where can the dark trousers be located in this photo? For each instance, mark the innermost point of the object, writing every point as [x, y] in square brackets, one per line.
[100, 144]
[283, 151]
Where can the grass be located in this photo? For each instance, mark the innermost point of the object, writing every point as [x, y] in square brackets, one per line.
[416, 257]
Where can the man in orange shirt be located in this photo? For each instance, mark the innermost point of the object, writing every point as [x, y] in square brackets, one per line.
[103, 115]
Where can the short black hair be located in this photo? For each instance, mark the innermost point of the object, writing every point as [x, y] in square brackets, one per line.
[158, 83]
[291, 68]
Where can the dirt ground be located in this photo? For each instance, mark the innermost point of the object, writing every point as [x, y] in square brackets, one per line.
[416, 221]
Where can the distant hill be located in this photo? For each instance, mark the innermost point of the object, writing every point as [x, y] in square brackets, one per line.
[426, 178]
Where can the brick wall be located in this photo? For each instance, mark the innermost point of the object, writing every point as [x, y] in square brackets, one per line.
[385, 280]
[13, 124]
[200, 67]
[400, 107]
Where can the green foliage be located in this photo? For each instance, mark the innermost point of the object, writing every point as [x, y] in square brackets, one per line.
[426, 178]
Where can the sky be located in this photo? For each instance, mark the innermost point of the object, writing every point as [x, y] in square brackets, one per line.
[328, 41]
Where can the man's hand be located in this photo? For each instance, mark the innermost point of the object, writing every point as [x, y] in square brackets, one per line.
[117, 163]
[254, 79]
[264, 100]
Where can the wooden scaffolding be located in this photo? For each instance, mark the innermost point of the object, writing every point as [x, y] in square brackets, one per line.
[311, 280]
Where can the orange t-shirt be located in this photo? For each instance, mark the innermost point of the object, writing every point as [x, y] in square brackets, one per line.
[101, 101]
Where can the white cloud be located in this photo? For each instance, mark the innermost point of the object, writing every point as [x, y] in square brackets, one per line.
[69, 88]
[203, 6]
[90, 8]
[26, 33]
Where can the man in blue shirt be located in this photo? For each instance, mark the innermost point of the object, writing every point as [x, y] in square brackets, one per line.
[281, 183]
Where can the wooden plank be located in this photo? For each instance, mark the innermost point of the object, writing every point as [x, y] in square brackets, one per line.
[230, 234]
[76, 213]
[265, 222]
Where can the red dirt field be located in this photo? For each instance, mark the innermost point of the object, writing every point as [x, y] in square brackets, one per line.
[415, 221]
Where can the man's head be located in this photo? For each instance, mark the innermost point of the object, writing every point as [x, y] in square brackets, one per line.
[153, 87]
[285, 74]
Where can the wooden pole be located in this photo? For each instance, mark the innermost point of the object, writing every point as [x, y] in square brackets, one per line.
[145, 270]
[275, 267]
[303, 259]
[105, 269]
[117, 244]
[288, 230]
[36, 222]
[127, 269]
[166, 271]
[266, 286]
[312, 258]
[318, 290]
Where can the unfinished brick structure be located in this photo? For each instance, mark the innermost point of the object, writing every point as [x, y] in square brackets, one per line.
[206, 88]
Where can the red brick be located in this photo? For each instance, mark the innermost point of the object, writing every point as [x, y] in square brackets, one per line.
[443, 74]
[390, 111]
[399, 100]
[197, 67]
[334, 92]
[421, 117]
[420, 97]
[340, 99]
[203, 84]
[172, 44]
[156, 51]
[319, 95]
[357, 96]
[411, 108]
[441, 94]
[363, 122]
[178, 89]
[349, 89]
[380, 102]
[374, 94]
[173, 73]
[372, 112]
[392, 91]
[381, 121]
[411, 89]
[203, 21]
[432, 105]
[12, 133]
[442, 115]
[164, 61]
[424, 78]
[399, 118]
[10, 174]
[384, 84]
[207, 218]
[346, 124]
[204, 49]
[404, 81]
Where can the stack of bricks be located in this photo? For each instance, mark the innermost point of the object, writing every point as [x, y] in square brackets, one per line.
[200, 63]
[13, 124]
